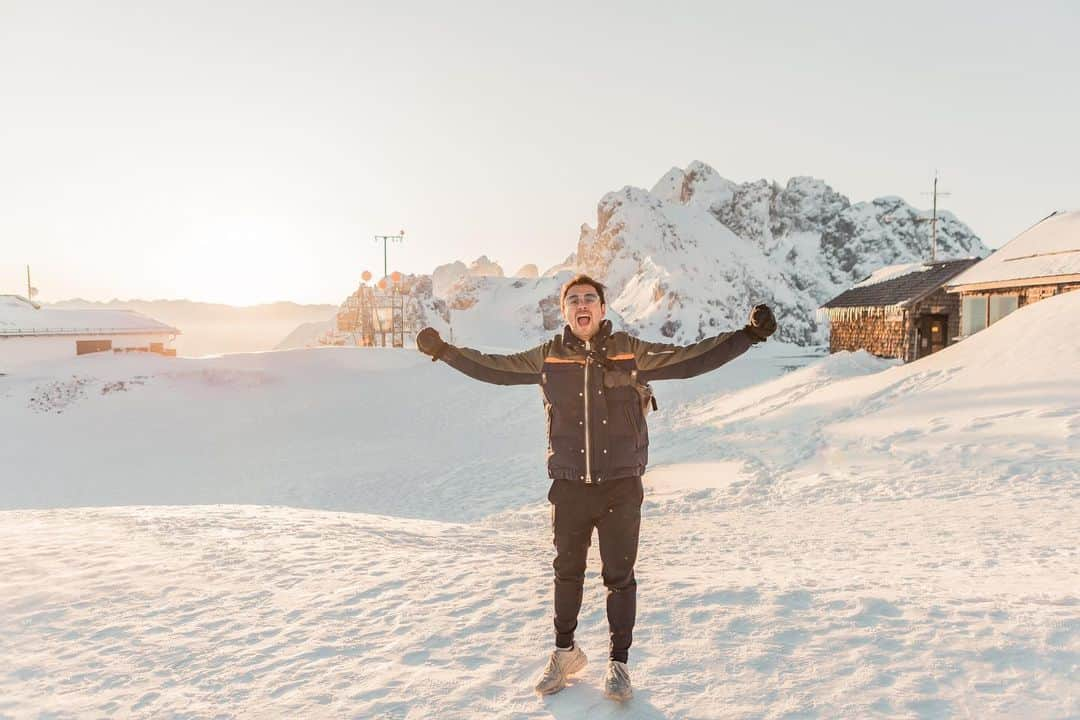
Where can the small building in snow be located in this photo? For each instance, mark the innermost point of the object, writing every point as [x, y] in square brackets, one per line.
[900, 311]
[31, 334]
[1040, 262]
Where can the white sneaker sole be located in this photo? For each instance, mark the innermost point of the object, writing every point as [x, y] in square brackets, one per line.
[618, 698]
[573, 669]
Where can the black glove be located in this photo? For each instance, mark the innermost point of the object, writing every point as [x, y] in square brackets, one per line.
[762, 323]
[429, 343]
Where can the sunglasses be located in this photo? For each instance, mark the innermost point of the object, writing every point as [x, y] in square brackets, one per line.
[586, 299]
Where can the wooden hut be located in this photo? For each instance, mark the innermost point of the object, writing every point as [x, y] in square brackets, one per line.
[901, 311]
[1040, 262]
[31, 334]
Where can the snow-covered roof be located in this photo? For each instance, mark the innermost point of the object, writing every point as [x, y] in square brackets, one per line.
[1049, 249]
[889, 272]
[899, 285]
[19, 316]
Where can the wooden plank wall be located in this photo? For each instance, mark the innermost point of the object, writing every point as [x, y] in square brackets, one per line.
[1028, 294]
[884, 337]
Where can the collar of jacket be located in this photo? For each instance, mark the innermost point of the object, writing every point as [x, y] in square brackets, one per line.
[572, 341]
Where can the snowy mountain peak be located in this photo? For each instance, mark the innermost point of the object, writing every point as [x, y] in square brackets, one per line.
[569, 264]
[699, 184]
[529, 271]
[483, 267]
[445, 277]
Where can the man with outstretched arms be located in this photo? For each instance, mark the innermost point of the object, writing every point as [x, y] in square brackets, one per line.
[596, 394]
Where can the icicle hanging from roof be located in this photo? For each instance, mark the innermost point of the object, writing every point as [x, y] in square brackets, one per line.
[858, 312]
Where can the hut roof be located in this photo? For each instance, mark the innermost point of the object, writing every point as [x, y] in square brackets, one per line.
[19, 317]
[911, 284]
[1049, 248]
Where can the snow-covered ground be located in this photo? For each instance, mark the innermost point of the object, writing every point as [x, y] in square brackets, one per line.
[822, 537]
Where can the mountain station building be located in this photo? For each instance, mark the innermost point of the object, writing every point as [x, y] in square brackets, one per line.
[31, 334]
[1040, 262]
[900, 311]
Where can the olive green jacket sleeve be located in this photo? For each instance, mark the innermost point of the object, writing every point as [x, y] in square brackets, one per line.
[523, 368]
[658, 361]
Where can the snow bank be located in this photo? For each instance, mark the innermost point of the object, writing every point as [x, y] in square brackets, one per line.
[1002, 407]
[329, 428]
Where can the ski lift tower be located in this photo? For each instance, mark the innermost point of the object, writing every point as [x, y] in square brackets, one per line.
[397, 311]
[390, 310]
[365, 313]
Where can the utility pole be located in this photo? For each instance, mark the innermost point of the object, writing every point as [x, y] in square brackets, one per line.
[934, 220]
[386, 239]
[29, 296]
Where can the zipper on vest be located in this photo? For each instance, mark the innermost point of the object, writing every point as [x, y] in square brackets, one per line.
[588, 450]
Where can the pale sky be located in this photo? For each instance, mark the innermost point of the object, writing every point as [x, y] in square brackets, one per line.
[248, 152]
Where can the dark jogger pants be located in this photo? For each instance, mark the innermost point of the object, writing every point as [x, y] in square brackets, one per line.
[614, 509]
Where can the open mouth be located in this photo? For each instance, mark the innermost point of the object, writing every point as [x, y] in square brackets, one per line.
[583, 320]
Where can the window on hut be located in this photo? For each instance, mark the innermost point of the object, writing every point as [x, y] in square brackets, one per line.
[1002, 305]
[973, 312]
[84, 347]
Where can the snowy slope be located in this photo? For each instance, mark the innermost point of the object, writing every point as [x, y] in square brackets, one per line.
[326, 428]
[305, 335]
[852, 538]
[999, 408]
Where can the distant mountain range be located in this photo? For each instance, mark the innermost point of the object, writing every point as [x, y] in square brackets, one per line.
[214, 328]
[305, 335]
[683, 260]
[689, 257]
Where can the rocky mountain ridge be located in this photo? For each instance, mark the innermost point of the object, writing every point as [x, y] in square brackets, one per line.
[689, 257]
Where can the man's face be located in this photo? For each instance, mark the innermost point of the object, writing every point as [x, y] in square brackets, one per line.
[583, 310]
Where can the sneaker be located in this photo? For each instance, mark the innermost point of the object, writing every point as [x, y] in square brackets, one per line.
[561, 665]
[617, 682]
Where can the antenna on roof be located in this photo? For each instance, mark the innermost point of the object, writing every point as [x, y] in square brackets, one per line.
[934, 220]
[31, 291]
